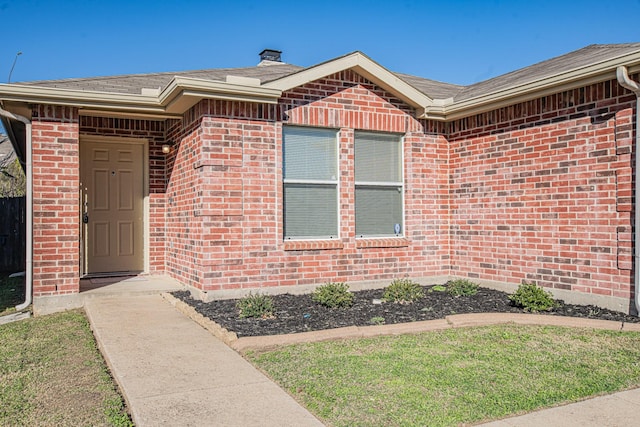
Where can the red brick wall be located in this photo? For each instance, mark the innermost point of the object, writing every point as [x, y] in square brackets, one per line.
[541, 191]
[537, 191]
[225, 192]
[56, 227]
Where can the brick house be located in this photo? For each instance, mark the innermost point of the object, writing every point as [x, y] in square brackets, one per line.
[282, 177]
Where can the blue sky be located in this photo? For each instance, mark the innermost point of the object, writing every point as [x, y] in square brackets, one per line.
[453, 41]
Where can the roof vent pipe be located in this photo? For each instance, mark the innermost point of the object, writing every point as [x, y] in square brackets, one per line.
[623, 78]
[271, 55]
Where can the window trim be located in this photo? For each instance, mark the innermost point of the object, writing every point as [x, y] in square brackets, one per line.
[389, 184]
[294, 181]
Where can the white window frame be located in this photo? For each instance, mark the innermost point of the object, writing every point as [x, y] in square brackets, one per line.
[379, 184]
[294, 181]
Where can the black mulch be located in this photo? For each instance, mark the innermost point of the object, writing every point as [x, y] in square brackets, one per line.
[298, 313]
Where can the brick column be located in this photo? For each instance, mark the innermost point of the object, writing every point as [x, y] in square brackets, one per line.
[56, 225]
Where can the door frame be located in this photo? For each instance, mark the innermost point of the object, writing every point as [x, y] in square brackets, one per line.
[84, 139]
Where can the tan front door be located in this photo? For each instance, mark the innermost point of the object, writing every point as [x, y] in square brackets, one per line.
[112, 201]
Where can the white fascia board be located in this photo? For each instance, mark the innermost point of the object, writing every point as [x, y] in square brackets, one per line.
[361, 65]
[78, 98]
[178, 96]
[194, 90]
[561, 82]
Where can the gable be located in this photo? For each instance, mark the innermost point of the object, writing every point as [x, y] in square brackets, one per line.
[347, 99]
[362, 65]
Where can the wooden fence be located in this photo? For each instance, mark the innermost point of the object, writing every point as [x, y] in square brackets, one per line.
[12, 234]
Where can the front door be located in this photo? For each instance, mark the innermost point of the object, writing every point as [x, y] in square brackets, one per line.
[112, 191]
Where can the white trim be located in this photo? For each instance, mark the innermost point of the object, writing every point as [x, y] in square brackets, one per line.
[184, 92]
[362, 65]
[380, 184]
[572, 79]
[310, 181]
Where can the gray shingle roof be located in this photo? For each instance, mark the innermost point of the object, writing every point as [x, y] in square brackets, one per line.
[431, 88]
[580, 58]
[133, 84]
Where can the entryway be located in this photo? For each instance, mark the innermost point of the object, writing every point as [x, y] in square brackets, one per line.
[112, 191]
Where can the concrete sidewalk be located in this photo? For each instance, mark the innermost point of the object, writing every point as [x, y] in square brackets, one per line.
[615, 410]
[172, 372]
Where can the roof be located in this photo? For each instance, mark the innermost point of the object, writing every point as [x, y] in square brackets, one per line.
[134, 83]
[173, 92]
[561, 64]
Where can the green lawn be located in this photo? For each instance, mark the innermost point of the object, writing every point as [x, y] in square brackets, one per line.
[455, 376]
[52, 374]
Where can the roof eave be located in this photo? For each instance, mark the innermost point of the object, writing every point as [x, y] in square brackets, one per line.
[180, 95]
[184, 92]
[561, 82]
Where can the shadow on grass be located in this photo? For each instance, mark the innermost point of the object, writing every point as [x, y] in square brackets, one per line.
[11, 293]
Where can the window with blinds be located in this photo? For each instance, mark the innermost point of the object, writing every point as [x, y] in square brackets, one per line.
[379, 185]
[310, 171]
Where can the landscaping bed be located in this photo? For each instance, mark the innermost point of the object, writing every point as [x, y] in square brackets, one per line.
[299, 313]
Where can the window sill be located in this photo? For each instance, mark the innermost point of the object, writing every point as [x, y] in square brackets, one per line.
[382, 242]
[312, 245]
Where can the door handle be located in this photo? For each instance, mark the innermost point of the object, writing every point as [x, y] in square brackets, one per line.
[85, 218]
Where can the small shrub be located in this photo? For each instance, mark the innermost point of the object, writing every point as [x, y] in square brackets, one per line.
[403, 291]
[532, 298]
[462, 287]
[256, 305]
[377, 320]
[438, 288]
[333, 295]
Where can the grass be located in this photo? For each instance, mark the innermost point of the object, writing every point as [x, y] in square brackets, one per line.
[453, 377]
[52, 374]
[11, 293]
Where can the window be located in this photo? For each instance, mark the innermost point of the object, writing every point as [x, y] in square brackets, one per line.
[310, 160]
[379, 185]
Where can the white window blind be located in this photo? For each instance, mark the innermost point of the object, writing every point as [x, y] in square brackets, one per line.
[379, 185]
[310, 183]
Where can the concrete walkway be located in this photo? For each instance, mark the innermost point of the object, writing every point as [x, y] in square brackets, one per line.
[615, 410]
[174, 372]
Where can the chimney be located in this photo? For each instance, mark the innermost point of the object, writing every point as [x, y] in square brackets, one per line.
[271, 55]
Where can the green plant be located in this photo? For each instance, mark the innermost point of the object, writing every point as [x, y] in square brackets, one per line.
[403, 291]
[438, 288]
[256, 305]
[532, 298]
[333, 295]
[462, 287]
[377, 320]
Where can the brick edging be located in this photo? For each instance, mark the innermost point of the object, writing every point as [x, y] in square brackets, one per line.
[454, 321]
